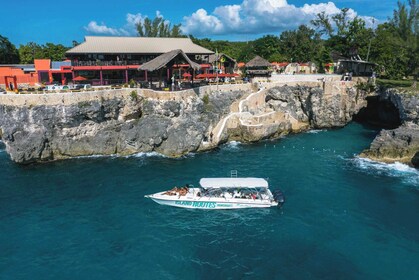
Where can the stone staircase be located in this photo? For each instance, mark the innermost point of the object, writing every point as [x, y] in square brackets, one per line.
[249, 112]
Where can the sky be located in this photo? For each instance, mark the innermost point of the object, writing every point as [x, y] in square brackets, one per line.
[238, 20]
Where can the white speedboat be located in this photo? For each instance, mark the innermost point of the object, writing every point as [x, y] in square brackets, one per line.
[222, 193]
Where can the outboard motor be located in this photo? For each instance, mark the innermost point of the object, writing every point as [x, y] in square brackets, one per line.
[279, 197]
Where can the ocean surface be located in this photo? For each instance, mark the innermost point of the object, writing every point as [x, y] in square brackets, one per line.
[87, 218]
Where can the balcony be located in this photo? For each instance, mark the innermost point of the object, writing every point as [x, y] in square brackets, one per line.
[106, 63]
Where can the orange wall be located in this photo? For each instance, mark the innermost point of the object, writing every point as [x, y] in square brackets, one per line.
[42, 64]
[21, 77]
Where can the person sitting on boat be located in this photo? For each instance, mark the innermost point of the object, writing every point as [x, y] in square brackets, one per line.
[172, 191]
[183, 191]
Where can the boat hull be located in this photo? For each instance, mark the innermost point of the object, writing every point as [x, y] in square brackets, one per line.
[213, 204]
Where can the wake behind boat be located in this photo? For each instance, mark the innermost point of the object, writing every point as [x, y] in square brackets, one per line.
[222, 193]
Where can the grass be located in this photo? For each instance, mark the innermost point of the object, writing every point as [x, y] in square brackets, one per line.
[394, 83]
[404, 86]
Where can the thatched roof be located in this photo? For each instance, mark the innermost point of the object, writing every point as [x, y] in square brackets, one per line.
[212, 58]
[258, 62]
[162, 60]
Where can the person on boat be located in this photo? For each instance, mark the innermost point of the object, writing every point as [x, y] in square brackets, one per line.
[183, 191]
[172, 191]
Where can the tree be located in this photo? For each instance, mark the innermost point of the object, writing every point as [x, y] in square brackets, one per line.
[241, 51]
[158, 27]
[29, 52]
[322, 23]
[300, 45]
[54, 52]
[267, 46]
[8, 52]
[349, 34]
[32, 50]
[405, 22]
[395, 45]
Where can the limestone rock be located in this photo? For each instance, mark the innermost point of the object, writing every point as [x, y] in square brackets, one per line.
[308, 104]
[400, 144]
[107, 124]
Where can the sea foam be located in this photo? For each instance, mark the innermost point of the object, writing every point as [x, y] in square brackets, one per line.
[233, 145]
[406, 173]
[315, 131]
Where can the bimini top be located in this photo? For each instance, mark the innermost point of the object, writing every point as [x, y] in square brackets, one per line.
[207, 183]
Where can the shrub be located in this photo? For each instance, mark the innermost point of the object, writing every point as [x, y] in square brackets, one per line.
[205, 99]
[132, 83]
[134, 95]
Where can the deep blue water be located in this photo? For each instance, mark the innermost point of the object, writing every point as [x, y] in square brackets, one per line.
[344, 218]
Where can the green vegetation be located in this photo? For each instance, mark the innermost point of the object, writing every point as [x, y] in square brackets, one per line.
[394, 83]
[393, 45]
[368, 87]
[132, 83]
[8, 52]
[205, 99]
[133, 95]
[207, 103]
[158, 27]
[31, 51]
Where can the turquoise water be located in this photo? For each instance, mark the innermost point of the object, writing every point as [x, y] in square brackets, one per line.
[344, 218]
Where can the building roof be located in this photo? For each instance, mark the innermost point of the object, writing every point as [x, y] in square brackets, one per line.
[212, 58]
[258, 61]
[133, 45]
[162, 60]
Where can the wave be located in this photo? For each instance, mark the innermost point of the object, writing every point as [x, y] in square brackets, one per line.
[137, 155]
[408, 174]
[315, 131]
[146, 155]
[233, 145]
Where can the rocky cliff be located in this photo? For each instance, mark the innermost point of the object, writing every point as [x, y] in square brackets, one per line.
[50, 127]
[290, 109]
[313, 106]
[121, 123]
[400, 144]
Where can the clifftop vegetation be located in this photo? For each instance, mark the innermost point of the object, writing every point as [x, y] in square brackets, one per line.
[394, 44]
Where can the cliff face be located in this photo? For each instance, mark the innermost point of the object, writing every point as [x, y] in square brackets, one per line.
[282, 109]
[400, 144]
[44, 128]
[96, 125]
[315, 107]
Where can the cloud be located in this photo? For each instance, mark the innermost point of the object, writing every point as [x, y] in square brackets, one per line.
[129, 29]
[258, 17]
[94, 27]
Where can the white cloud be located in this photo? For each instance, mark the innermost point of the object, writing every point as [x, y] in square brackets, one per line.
[94, 27]
[129, 29]
[201, 20]
[256, 17]
[249, 17]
